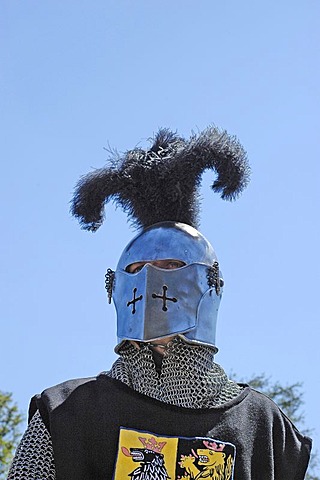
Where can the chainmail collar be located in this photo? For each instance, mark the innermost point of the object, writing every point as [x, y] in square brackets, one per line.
[188, 376]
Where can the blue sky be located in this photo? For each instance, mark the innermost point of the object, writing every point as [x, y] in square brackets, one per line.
[78, 76]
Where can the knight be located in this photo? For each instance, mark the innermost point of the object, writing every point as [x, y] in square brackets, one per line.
[166, 288]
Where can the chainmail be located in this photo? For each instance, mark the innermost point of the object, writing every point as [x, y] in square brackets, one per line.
[188, 378]
[34, 456]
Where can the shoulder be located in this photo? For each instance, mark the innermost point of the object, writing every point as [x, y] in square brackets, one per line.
[64, 389]
[259, 400]
[260, 403]
[268, 414]
[78, 390]
[54, 396]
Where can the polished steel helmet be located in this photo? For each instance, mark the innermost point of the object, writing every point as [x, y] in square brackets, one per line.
[161, 184]
[155, 303]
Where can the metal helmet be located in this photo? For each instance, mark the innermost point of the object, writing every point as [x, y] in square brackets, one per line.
[156, 303]
[161, 184]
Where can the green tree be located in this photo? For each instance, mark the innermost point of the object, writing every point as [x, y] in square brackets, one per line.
[10, 420]
[290, 399]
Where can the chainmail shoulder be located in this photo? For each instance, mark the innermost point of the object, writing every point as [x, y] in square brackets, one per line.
[189, 377]
[34, 456]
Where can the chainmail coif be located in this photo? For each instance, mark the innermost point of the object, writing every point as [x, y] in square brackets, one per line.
[188, 377]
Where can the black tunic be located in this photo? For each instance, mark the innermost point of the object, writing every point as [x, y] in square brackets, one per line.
[94, 422]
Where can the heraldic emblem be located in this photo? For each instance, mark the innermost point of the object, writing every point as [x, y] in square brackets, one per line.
[148, 456]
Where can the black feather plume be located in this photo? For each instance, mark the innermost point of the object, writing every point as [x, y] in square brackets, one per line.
[162, 183]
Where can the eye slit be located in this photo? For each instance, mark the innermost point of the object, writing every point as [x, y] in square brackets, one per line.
[164, 264]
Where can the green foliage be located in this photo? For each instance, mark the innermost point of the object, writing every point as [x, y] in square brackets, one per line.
[290, 399]
[10, 420]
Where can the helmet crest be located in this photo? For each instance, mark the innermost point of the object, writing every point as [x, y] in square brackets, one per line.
[165, 178]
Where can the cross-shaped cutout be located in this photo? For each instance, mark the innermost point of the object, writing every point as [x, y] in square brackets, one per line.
[134, 301]
[164, 298]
